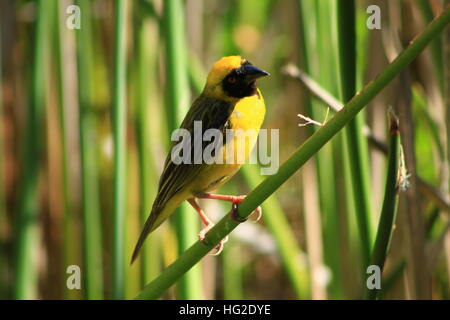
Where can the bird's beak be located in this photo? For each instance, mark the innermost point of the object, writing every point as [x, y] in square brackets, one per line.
[252, 73]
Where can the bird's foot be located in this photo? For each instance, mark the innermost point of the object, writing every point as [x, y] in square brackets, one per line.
[202, 235]
[234, 214]
[220, 245]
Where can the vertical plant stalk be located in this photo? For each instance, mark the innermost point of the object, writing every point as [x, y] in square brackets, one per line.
[412, 218]
[61, 39]
[92, 231]
[313, 228]
[27, 223]
[446, 98]
[357, 145]
[302, 154]
[146, 61]
[389, 209]
[411, 215]
[3, 216]
[119, 136]
[318, 61]
[446, 62]
[189, 286]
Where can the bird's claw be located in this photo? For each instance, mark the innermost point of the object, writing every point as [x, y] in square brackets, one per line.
[202, 235]
[234, 210]
[219, 247]
[258, 212]
[236, 200]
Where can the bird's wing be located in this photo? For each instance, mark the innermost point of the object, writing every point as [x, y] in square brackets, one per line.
[213, 114]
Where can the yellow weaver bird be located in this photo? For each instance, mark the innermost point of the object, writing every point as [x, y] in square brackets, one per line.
[230, 100]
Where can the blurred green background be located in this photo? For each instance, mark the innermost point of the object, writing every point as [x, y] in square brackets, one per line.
[67, 96]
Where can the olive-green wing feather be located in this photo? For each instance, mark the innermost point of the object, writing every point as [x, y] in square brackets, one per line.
[214, 114]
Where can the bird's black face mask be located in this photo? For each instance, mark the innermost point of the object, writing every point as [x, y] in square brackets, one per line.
[241, 82]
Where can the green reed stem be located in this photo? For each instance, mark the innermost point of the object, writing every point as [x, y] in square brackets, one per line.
[318, 61]
[357, 144]
[146, 86]
[27, 223]
[190, 285]
[389, 209]
[3, 216]
[68, 214]
[92, 230]
[303, 153]
[119, 136]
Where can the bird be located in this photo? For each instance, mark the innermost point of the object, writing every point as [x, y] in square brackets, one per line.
[229, 101]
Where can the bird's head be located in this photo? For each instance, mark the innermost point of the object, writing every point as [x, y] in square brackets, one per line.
[232, 78]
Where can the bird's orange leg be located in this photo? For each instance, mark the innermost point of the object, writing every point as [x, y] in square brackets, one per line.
[235, 200]
[200, 212]
[208, 225]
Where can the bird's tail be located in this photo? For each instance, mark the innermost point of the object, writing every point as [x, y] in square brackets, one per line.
[157, 216]
[148, 227]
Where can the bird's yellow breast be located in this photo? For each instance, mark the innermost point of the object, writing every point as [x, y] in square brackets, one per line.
[245, 122]
[248, 113]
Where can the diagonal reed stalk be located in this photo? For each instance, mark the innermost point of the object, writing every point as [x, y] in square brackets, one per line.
[329, 100]
[119, 135]
[389, 209]
[190, 285]
[436, 46]
[308, 149]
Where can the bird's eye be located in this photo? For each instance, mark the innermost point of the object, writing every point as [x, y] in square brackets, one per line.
[231, 80]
